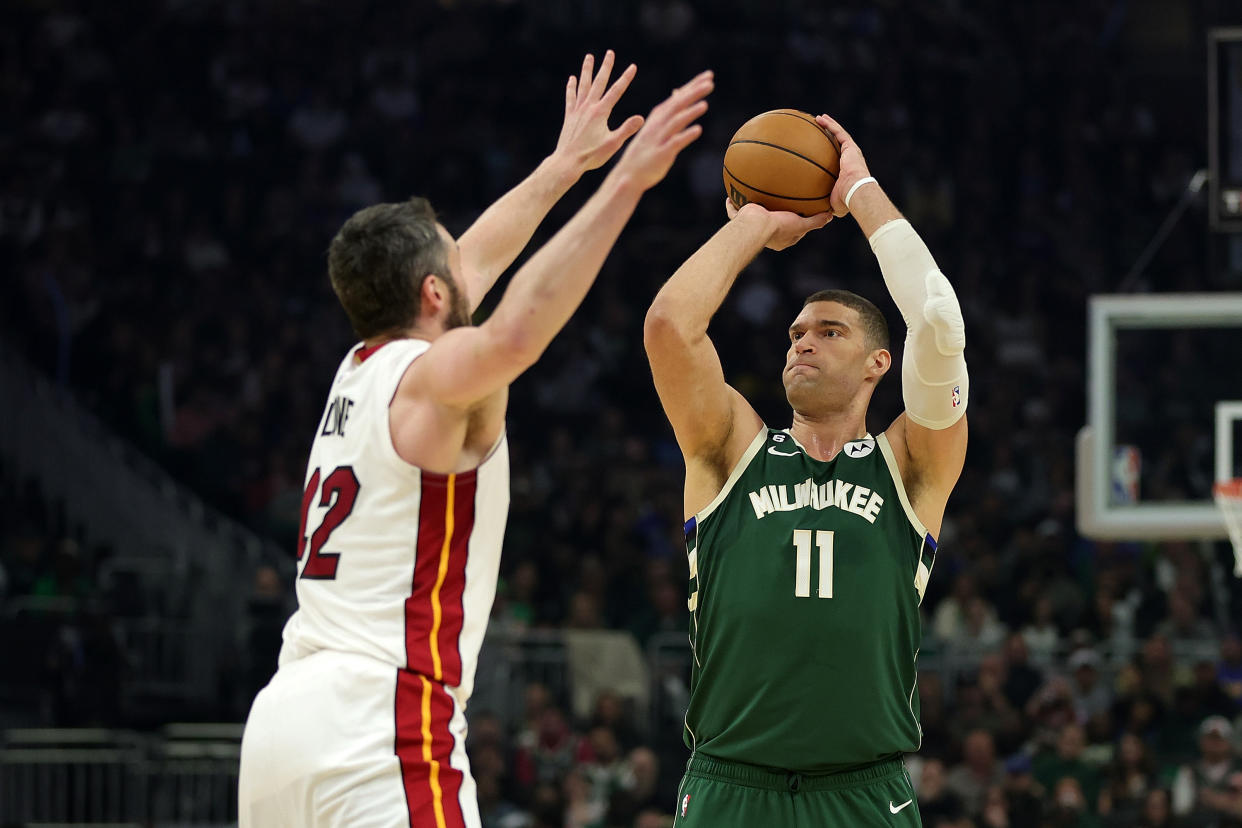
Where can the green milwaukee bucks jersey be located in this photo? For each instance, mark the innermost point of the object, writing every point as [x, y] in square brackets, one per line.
[805, 583]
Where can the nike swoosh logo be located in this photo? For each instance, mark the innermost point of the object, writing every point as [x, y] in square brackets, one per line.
[772, 450]
[896, 809]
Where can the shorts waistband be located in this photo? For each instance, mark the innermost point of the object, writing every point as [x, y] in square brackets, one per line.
[774, 779]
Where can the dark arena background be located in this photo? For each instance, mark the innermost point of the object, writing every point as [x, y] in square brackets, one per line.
[171, 174]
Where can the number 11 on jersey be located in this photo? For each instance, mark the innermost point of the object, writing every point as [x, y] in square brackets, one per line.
[802, 570]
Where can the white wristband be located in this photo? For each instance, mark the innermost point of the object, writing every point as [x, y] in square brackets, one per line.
[868, 180]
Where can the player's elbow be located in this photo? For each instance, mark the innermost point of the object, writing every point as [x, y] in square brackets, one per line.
[663, 328]
[513, 344]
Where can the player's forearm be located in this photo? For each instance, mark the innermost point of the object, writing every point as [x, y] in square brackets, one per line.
[688, 301]
[548, 288]
[935, 384]
[496, 237]
[871, 208]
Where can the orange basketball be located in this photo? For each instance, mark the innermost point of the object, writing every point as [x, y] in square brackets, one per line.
[783, 160]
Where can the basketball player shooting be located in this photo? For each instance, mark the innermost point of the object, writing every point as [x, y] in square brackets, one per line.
[810, 546]
[407, 487]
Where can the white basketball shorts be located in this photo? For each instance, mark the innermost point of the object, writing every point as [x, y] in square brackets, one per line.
[337, 739]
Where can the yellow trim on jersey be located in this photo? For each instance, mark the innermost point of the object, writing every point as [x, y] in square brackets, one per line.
[437, 613]
[437, 793]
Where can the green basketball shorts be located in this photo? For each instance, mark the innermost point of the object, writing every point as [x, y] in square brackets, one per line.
[715, 794]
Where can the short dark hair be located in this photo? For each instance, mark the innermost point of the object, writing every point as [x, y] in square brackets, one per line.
[377, 262]
[875, 327]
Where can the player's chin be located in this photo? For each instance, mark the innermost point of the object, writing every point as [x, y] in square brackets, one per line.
[799, 388]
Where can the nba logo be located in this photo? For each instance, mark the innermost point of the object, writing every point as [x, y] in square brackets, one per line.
[685, 803]
[1126, 473]
[957, 395]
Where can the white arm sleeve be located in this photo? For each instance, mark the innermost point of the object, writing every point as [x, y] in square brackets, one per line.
[934, 382]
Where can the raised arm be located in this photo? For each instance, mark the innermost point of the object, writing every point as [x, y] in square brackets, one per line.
[713, 423]
[497, 236]
[467, 364]
[929, 438]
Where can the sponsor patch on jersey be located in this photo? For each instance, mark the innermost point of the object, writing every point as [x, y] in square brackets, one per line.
[860, 448]
[685, 803]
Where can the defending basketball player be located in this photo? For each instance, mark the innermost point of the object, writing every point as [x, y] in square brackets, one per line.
[810, 546]
[408, 481]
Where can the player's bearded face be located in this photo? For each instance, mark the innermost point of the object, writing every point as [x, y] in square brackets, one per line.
[458, 315]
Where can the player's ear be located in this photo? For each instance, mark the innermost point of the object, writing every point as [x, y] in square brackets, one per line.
[432, 291]
[881, 361]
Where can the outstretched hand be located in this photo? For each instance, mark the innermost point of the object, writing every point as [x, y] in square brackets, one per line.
[586, 142]
[853, 165]
[669, 129]
[787, 229]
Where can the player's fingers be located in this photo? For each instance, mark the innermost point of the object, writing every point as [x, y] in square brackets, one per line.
[836, 129]
[695, 88]
[584, 79]
[601, 77]
[818, 220]
[571, 93]
[632, 124]
[730, 209]
[687, 115]
[828, 122]
[685, 138]
[618, 89]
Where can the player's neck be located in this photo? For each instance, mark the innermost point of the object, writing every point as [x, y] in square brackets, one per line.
[823, 434]
[427, 329]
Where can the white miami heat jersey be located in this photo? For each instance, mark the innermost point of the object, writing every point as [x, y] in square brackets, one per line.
[395, 563]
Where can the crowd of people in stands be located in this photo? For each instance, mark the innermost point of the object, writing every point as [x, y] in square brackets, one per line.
[169, 182]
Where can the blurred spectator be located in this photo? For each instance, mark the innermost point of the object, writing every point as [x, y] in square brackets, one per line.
[950, 616]
[1091, 696]
[546, 754]
[1051, 768]
[1041, 634]
[1024, 796]
[980, 705]
[1051, 710]
[936, 801]
[996, 809]
[1068, 808]
[639, 790]
[655, 818]
[1157, 812]
[1229, 668]
[933, 710]
[1021, 679]
[1157, 670]
[665, 611]
[1201, 790]
[1128, 781]
[977, 772]
[583, 807]
[1184, 627]
[514, 610]
[613, 712]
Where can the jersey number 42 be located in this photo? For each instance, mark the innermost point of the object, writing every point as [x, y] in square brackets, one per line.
[340, 490]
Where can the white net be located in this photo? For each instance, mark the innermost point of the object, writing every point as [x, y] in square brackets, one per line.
[1228, 496]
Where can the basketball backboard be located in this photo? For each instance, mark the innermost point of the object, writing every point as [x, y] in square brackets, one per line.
[1164, 415]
